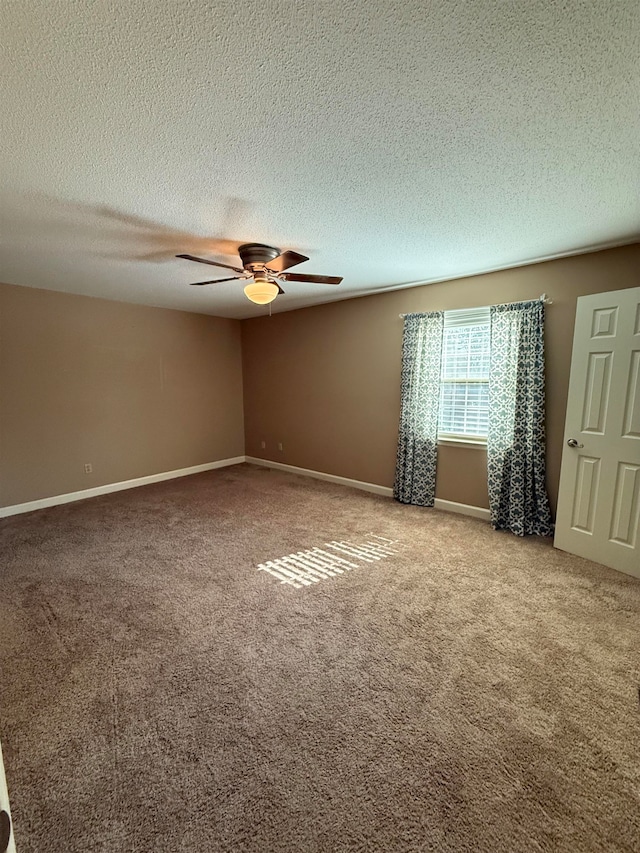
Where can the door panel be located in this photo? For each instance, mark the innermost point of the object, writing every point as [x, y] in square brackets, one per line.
[604, 322]
[624, 527]
[586, 491]
[632, 414]
[596, 398]
[599, 499]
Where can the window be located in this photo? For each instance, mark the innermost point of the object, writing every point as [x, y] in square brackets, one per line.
[464, 384]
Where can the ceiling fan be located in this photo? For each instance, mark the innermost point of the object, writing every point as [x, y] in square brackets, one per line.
[266, 265]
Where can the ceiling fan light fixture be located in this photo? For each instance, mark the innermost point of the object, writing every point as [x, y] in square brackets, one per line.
[261, 291]
[264, 264]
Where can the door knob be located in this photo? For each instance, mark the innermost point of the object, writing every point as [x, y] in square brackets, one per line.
[573, 443]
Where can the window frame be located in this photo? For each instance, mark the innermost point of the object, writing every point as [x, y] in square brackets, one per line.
[456, 319]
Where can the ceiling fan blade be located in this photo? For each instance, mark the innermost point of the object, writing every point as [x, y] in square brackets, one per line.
[315, 279]
[280, 290]
[286, 260]
[206, 261]
[216, 281]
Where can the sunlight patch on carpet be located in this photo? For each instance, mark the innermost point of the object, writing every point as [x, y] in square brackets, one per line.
[336, 558]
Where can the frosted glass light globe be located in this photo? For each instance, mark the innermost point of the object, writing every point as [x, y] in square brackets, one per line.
[261, 291]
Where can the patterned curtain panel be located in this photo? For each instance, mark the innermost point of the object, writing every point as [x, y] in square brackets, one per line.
[420, 389]
[516, 439]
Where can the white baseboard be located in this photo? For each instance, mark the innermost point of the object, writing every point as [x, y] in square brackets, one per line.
[385, 491]
[374, 488]
[42, 503]
[463, 509]
[4, 802]
[319, 475]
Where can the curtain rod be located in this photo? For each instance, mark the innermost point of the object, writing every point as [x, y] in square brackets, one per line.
[544, 298]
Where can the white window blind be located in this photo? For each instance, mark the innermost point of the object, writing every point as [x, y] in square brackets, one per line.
[464, 385]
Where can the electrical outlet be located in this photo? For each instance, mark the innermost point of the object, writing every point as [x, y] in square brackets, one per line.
[88, 468]
[279, 445]
[263, 444]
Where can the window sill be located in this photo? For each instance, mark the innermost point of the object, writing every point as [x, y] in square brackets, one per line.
[463, 442]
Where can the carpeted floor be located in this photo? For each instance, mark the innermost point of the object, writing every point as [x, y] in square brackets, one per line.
[475, 692]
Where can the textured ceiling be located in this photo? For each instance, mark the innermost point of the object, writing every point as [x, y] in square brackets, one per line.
[392, 143]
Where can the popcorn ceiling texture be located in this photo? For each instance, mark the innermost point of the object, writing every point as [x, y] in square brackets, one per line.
[393, 143]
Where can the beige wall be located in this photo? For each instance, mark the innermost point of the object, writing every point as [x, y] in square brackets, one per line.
[136, 390]
[132, 390]
[325, 381]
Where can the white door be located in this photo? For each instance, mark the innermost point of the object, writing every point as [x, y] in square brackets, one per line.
[599, 499]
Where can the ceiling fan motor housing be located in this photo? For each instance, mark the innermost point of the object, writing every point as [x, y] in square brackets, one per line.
[257, 253]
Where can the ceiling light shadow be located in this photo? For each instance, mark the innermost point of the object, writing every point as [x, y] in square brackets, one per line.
[39, 220]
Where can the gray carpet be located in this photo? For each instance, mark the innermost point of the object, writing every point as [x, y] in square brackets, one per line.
[475, 692]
